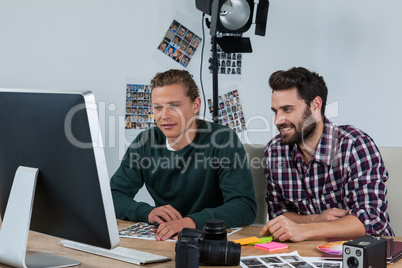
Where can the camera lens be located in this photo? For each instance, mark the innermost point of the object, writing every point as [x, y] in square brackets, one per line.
[215, 230]
[214, 252]
[352, 262]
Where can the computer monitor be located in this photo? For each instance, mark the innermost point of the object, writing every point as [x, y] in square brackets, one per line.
[52, 164]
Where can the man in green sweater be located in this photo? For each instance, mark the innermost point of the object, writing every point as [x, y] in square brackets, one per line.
[194, 170]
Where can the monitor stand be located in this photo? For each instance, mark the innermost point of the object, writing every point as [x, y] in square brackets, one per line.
[16, 222]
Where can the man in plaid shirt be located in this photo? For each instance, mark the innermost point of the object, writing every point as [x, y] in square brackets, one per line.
[324, 181]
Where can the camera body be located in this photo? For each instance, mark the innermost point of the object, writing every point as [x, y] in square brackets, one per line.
[365, 252]
[209, 246]
[187, 248]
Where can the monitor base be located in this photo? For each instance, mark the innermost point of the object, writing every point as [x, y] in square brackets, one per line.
[16, 222]
[40, 260]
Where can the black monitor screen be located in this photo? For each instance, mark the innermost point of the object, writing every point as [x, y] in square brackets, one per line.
[54, 132]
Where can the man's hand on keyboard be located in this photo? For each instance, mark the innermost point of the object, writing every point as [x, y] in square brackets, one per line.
[172, 229]
[163, 214]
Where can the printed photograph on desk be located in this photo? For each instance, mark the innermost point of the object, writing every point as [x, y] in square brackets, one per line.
[140, 230]
[286, 260]
[278, 260]
[230, 111]
[139, 112]
[144, 230]
[179, 43]
[233, 230]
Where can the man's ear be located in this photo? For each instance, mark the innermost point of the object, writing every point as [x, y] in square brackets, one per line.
[196, 105]
[316, 105]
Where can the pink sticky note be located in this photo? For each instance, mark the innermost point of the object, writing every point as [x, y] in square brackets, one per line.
[271, 246]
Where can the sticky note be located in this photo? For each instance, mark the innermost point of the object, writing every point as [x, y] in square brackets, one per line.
[248, 240]
[263, 240]
[271, 246]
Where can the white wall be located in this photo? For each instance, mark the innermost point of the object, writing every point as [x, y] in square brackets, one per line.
[98, 45]
[358, 50]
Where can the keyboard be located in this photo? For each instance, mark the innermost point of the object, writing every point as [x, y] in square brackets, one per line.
[118, 253]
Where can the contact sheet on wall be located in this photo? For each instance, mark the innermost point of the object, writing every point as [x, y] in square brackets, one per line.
[228, 63]
[179, 43]
[139, 112]
[230, 111]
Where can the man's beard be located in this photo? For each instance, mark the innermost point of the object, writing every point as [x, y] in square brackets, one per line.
[303, 132]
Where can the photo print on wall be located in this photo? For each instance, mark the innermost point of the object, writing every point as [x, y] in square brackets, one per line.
[139, 112]
[179, 43]
[228, 63]
[230, 111]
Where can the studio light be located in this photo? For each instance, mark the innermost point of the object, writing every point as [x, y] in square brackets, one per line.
[229, 20]
[234, 16]
[231, 16]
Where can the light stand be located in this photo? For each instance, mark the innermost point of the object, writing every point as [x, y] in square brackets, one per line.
[231, 18]
[215, 91]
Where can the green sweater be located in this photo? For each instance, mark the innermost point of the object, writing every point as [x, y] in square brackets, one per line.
[208, 179]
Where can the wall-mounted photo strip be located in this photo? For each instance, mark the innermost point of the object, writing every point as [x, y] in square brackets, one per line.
[230, 111]
[179, 43]
[139, 113]
[228, 63]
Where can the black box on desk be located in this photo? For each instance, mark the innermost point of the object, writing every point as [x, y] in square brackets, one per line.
[365, 252]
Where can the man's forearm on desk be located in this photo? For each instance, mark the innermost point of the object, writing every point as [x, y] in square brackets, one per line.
[284, 228]
[347, 227]
[328, 215]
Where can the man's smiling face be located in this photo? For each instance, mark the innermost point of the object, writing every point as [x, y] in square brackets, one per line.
[292, 116]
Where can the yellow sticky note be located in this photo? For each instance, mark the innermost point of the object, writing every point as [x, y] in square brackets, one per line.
[248, 240]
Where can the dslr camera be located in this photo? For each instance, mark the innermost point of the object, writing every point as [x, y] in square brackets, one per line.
[209, 246]
[365, 252]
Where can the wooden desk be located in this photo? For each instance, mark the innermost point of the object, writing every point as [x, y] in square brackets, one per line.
[42, 243]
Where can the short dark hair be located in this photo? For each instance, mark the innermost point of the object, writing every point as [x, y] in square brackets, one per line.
[174, 76]
[309, 84]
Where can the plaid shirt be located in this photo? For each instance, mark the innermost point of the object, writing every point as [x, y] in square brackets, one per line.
[346, 172]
